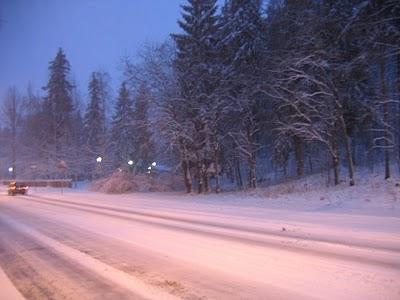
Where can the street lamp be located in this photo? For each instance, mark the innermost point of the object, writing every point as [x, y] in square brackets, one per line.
[97, 170]
[154, 164]
[10, 169]
[130, 162]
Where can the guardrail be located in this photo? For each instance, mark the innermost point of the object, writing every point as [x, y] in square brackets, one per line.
[56, 183]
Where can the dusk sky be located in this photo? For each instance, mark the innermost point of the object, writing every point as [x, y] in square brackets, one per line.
[94, 34]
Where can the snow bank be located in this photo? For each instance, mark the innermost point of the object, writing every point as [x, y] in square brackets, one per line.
[372, 195]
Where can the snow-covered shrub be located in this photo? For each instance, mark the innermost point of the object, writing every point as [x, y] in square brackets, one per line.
[123, 182]
[116, 183]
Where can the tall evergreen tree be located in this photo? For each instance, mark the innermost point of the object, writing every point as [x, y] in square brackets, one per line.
[94, 123]
[142, 138]
[11, 112]
[197, 71]
[94, 118]
[240, 51]
[122, 131]
[58, 109]
[105, 95]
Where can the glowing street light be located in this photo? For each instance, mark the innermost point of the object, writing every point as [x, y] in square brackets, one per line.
[130, 162]
[10, 169]
[154, 164]
[99, 159]
[149, 168]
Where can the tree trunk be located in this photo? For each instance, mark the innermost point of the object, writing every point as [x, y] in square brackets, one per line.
[13, 153]
[348, 150]
[342, 124]
[285, 169]
[186, 172]
[187, 176]
[369, 148]
[217, 176]
[398, 111]
[335, 162]
[200, 183]
[385, 117]
[230, 173]
[252, 173]
[353, 144]
[299, 155]
[335, 156]
[310, 164]
[206, 178]
[251, 161]
[238, 173]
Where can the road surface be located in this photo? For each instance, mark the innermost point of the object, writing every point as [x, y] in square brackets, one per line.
[78, 247]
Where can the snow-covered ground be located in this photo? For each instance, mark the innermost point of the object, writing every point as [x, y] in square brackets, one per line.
[8, 290]
[298, 240]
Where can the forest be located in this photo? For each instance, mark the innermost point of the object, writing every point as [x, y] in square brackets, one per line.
[246, 94]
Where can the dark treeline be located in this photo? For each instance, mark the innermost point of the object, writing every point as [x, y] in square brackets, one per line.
[247, 93]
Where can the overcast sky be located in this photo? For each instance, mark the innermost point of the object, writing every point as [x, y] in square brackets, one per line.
[94, 34]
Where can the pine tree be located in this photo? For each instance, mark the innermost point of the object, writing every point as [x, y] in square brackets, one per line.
[122, 131]
[240, 35]
[78, 159]
[197, 71]
[94, 123]
[240, 51]
[94, 118]
[58, 109]
[142, 138]
[196, 49]
[11, 112]
[105, 95]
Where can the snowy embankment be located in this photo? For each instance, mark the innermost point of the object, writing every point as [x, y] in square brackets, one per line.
[371, 196]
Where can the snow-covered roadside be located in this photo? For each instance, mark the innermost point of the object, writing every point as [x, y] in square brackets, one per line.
[8, 291]
[371, 196]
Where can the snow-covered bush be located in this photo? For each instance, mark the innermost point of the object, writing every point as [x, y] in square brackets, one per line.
[123, 182]
[116, 183]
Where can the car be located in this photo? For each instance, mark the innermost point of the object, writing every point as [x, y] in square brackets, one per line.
[17, 188]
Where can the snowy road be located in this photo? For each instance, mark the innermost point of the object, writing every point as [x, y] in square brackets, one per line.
[93, 246]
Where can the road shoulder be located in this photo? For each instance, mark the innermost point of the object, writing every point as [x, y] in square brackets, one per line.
[8, 290]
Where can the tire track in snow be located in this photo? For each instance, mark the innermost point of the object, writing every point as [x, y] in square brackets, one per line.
[244, 229]
[39, 272]
[346, 251]
[152, 268]
[30, 249]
